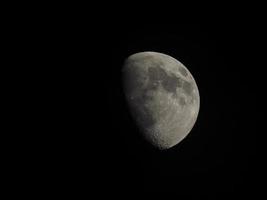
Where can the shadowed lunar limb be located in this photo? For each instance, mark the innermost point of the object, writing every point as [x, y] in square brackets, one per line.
[163, 97]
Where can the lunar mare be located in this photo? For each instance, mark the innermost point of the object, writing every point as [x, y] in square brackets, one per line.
[163, 97]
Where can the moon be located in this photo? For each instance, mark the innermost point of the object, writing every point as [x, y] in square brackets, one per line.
[162, 97]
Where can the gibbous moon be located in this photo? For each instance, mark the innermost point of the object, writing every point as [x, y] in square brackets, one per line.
[162, 96]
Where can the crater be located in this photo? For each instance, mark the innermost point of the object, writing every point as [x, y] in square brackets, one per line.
[183, 71]
[188, 87]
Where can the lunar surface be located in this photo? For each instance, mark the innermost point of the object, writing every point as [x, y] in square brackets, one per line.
[163, 97]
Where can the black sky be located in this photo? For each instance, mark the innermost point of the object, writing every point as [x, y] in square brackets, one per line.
[213, 159]
[100, 148]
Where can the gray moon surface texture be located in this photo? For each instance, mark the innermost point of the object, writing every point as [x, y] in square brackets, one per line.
[162, 96]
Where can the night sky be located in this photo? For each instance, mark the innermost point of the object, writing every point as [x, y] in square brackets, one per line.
[213, 160]
[101, 149]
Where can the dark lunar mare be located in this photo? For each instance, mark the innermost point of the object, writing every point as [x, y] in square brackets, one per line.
[158, 76]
